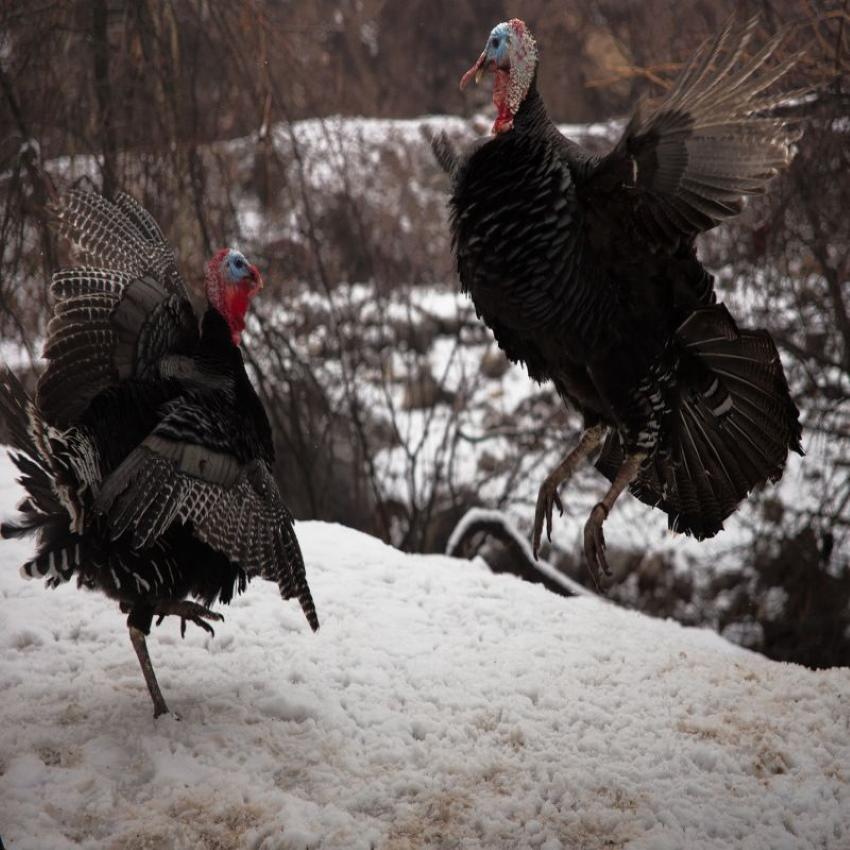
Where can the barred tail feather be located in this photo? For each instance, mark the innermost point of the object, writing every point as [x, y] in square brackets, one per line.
[298, 573]
[41, 512]
[731, 426]
[57, 561]
[120, 235]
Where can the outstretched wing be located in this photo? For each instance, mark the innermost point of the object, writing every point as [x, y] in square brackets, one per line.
[193, 470]
[115, 321]
[687, 163]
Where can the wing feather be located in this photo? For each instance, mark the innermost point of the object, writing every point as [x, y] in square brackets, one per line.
[233, 506]
[709, 142]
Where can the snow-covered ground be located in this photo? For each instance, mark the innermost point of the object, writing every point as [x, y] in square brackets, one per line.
[439, 706]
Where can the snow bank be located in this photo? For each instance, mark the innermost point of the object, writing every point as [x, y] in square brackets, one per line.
[439, 706]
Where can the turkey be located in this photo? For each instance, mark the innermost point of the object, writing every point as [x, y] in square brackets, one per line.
[146, 455]
[585, 270]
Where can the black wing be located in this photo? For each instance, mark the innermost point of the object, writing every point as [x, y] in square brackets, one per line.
[684, 166]
[115, 321]
[202, 466]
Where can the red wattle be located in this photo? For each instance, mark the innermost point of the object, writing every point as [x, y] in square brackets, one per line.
[236, 301]
[504, 117]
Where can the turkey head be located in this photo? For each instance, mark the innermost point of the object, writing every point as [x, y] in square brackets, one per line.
[230, 284]
[511, 54]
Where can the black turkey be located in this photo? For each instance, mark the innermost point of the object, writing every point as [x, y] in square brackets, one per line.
[147, 455]
[585, 269]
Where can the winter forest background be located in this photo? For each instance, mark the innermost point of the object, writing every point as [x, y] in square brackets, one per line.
[295, 130]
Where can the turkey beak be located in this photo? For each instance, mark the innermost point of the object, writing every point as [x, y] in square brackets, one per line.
[476, 71]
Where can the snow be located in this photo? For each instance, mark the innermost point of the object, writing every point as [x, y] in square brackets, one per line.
[15, 356]
[439, 706]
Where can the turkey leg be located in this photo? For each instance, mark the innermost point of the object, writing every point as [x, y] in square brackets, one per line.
[141, 615]
[548, 495]
[594, 540]
[137, 636]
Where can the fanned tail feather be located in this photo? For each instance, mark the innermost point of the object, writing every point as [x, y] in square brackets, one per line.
[732, 422]
[119, 235]
[96, 333]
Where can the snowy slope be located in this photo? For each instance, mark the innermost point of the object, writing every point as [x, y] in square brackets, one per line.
[439, 706]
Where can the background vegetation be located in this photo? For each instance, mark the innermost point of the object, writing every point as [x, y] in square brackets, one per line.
[393, 412]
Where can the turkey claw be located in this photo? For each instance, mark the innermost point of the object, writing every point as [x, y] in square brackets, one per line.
[594, 543]
[546, 499]
[191, 611]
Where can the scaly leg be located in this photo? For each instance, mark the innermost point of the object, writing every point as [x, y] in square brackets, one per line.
[548, 494]
[594, 541]
[137, 636]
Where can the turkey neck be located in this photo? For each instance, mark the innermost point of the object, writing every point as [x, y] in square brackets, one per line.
[532, 117]
[225, 368]
[532, 120]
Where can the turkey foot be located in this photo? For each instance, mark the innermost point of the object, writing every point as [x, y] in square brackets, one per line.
[594, 543]
[548, 496]
[186, 610]
[594, 539]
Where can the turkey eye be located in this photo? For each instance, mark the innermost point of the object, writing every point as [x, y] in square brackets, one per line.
[239, 264]
[495, 42]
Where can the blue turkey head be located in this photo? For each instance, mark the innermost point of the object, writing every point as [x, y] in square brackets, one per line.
[511, 54]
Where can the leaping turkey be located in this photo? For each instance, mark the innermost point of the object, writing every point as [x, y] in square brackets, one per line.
[585, 270]
[147, 455]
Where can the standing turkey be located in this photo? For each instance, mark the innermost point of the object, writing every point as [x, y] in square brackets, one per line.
[585, 270]
[147, 455]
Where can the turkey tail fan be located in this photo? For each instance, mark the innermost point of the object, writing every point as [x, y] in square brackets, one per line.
[107, 326]
[121, 236]
[80, 341]
[731, 425]
[141, 218]
[116, 318]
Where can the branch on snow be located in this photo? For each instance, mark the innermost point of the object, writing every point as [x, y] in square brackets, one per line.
[496, 524]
